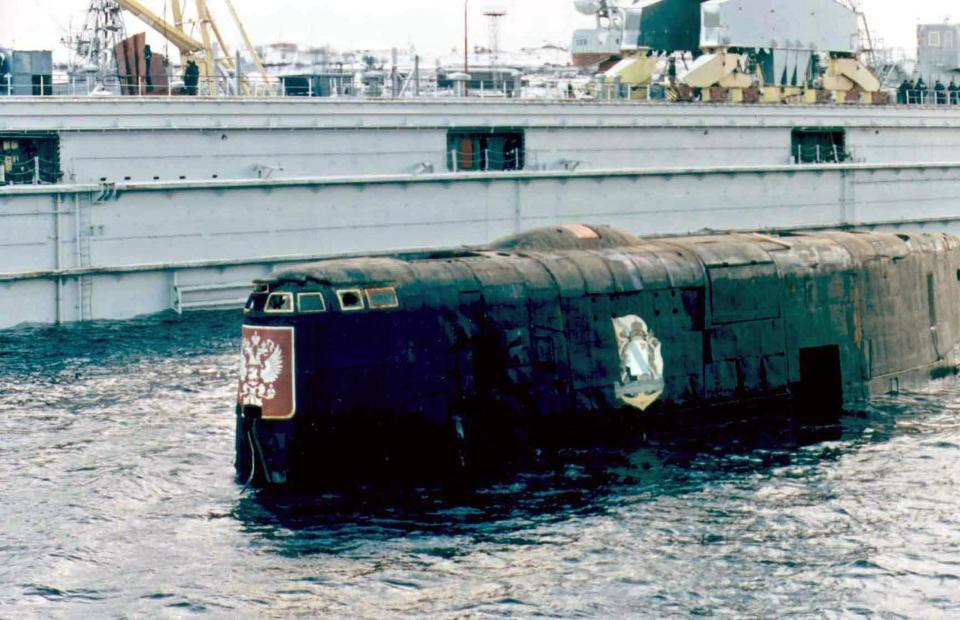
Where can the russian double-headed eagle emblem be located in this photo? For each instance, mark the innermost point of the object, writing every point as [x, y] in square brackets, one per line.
[261, 364]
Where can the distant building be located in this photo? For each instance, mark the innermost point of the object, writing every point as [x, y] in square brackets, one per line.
[938, 52]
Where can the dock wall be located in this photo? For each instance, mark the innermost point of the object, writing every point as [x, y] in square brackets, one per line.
[92, 251]
[197, 139]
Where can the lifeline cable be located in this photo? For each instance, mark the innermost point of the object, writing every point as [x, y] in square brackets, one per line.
[253, 462]
[259, 449]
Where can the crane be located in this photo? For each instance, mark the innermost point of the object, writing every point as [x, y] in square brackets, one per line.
[202, 51]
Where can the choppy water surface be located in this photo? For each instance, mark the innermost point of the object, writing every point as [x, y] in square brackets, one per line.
[117, 498]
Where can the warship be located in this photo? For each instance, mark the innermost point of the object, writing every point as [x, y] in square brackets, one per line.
[175, 194]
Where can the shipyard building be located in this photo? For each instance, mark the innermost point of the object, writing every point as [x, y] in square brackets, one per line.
[938, 52]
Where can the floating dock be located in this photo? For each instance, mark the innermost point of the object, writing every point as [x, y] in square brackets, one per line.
[180, 203]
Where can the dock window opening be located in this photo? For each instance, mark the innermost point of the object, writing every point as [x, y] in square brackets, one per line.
[311, 302]
[819, 146]
[350, 300]
[485, 150]
[279, 303]
[29, 158]
[382, 298]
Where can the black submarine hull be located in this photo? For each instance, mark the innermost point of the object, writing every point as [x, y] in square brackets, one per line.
[451, 357]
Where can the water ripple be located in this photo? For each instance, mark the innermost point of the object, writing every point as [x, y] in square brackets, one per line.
[118, 500]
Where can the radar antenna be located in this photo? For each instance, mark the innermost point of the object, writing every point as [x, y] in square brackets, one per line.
[607, 11]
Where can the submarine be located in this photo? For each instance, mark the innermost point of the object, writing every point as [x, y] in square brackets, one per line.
[452, 357]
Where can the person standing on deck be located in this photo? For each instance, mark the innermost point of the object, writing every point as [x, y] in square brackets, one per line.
[940, 93]
[191, 77]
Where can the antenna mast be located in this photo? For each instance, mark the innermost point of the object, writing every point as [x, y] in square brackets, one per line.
[103, 29]
[494, 15]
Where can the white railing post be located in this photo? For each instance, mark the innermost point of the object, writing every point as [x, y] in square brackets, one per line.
[36, 170]
[453, 160]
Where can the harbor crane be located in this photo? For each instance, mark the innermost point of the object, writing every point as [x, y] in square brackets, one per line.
[188, 23]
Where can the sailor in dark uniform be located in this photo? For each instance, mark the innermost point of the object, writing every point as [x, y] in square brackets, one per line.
[953, 93]
[921, 90]
[903, 92]
[191, 77]
[940, 93]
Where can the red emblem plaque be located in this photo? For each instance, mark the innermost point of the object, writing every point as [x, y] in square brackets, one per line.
[267, 372]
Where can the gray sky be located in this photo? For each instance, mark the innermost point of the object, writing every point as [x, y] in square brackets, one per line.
[430, 25]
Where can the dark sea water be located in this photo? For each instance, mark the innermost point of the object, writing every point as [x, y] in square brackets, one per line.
[117, 498]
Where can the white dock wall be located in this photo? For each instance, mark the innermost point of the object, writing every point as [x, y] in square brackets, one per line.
[196, 139]
[133, 237]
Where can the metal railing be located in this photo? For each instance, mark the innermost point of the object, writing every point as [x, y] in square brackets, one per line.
[486, 160]
[820, 154]
[320, 85]
[306, 85]
[928, 97]
[33, 171]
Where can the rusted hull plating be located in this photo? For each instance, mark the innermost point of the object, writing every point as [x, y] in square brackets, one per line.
[452, 357]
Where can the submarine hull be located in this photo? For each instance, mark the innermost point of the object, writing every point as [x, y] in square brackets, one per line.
[455, 358]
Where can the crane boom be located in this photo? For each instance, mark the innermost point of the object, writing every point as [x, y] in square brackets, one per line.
[250, 47]
[184, 43]
[214, 62]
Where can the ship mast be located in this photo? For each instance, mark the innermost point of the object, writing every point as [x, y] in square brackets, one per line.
[93, 47]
